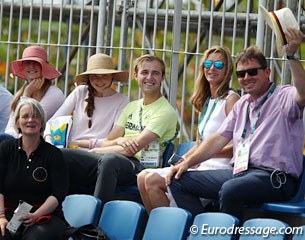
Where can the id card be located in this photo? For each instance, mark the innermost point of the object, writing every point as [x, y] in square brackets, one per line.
[22, 209]
[241, 160]
[151, 157]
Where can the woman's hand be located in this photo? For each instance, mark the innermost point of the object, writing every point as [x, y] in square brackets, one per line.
[129, 144]
[33, 86]
[28, 219]
[3, 223]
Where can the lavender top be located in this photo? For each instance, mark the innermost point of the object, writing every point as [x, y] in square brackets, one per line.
[277, 141]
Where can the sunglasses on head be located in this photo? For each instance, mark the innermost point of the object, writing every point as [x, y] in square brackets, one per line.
[251, 72]
[217, 64]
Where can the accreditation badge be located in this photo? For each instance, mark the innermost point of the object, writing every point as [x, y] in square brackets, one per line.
[241, 159]
[151, 157]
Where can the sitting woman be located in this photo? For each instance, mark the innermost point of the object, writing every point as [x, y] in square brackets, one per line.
[37, 73]
[34, 172]
[94, 104]
[213, 99]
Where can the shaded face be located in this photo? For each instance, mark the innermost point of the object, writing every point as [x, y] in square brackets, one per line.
[212, 68]
[257, 84]
[100, 82]
[29, 121]
[150, 77]
[31, 70]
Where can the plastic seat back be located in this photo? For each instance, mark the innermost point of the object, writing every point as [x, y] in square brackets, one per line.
[259, 228]
[122, 220]
[184, 147]
[167, 223]
[209, 225]
[81, 209]
[300, 234]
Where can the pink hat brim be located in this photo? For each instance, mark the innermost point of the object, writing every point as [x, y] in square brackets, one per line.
[48, 71]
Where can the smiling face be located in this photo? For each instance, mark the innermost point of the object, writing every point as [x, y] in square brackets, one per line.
[31, 70]
[256, 85]
[213, 75]
[150, 77]
[29, 121]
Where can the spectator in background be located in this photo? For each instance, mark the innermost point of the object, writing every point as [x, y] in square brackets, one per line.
[35, 172]
[213, 99]
[5, 98]
[142, 132]
[266, 126]
[94, 104]
[37, 73]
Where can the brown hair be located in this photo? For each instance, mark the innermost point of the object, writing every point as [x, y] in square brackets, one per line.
[90, 100]
[251, 53]
[202, 86]
[149, 58]
[47, 83]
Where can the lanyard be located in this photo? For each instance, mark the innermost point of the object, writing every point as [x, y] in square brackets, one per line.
[140, 118]
[258, 113]
[203, 112]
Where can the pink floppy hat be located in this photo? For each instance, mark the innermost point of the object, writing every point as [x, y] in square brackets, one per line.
[38, 54]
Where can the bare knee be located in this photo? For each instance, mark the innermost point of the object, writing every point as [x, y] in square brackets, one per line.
[154, 181]
[141, 179]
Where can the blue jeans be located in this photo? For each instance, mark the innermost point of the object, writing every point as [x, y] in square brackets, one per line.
[5, 136]
[233, 192]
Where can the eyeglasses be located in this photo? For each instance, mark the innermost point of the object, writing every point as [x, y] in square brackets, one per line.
[251, 72]
[217, 64]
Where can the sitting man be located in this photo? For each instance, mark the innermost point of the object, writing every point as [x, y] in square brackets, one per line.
[141, 133]
[267, 131]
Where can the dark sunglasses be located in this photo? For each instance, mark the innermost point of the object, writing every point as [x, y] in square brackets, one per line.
[251, 72]
[217, 64]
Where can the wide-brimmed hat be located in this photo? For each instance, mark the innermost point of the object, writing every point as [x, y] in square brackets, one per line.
[279, 21]
[101, 64]
[38, 54]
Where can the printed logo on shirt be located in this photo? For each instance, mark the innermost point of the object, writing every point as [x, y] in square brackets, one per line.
[133, 127]
[129, 116]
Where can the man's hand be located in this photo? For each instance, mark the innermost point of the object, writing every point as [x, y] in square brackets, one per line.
[176, 170]
[34, 86]
[3, 223]
[129, 144]
[294, 38]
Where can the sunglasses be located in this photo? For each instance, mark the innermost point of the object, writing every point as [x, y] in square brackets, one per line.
[217, 64]
[251, 72]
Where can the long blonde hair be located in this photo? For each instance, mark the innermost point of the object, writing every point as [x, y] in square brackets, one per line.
[202, 87]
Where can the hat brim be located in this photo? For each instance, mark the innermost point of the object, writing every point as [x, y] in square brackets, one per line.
[118, 76]
[48, 71]
[278, 27]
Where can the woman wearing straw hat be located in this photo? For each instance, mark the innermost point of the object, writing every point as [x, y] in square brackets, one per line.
[94, 104]
[37, 73]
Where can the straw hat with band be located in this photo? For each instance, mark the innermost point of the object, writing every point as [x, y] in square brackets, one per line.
[37, 54]
[279, 21]
[101, 64]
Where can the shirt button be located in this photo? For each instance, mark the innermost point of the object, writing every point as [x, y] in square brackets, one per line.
[30, 160]
[27, 167]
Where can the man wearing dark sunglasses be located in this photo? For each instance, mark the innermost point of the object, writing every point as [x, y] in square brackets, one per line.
[266, 129]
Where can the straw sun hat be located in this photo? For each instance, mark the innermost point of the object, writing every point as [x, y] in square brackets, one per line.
[37, 54]
[101, 64]
[279, 21]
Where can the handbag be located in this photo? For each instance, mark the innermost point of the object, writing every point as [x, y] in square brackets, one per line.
[86, 232]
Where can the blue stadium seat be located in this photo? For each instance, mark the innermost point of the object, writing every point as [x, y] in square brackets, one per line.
[167, 223]
[212, 221]
[184, 147]
[81, 209]
[294, 206]
[122, 220]
[259, 229]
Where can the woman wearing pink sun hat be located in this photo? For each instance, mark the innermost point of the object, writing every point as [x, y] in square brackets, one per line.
[37, 73]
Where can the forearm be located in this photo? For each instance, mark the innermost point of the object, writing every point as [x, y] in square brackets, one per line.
[298, 73]
[226, 152]
[47, 207]
[113, 149]
[2, 208]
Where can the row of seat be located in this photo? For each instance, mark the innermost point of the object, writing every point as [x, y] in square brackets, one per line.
[124, 220]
